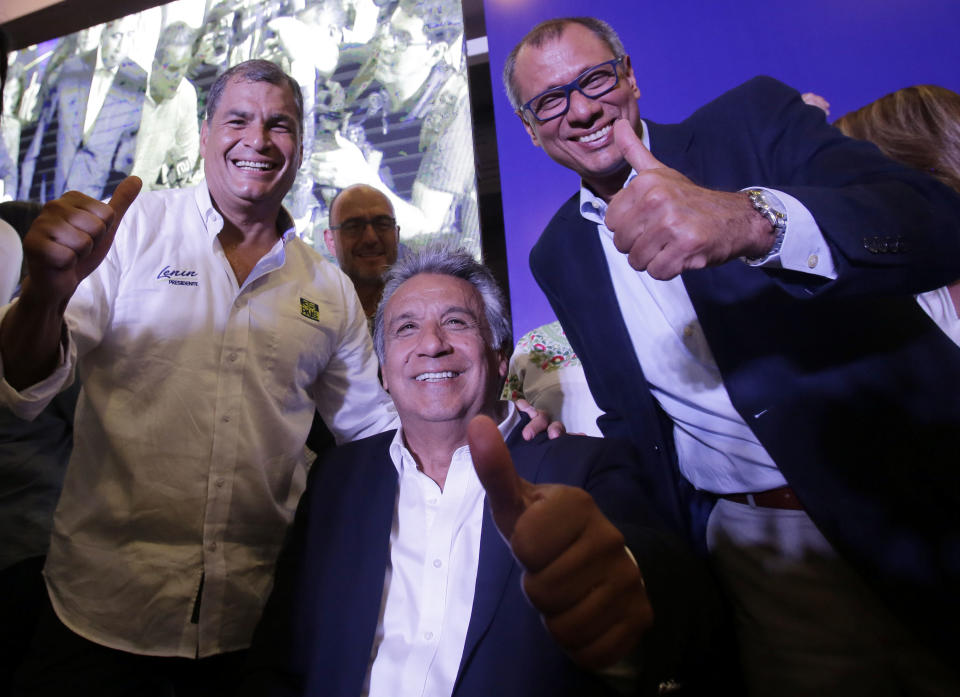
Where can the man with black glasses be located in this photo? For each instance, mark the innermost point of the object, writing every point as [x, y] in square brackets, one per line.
[739, 288]
[364, 238]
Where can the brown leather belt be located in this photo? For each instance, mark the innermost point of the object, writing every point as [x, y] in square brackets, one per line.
[782, 497]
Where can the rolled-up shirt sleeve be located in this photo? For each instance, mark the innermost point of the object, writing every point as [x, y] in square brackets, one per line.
[29, 402]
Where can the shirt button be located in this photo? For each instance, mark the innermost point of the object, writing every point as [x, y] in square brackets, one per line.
[437, 563]
[688, 331]
[812, 261]
[220, 482]
[428, 635]
[432, 501]
[213, 546]
[233, 357]
[226, 419]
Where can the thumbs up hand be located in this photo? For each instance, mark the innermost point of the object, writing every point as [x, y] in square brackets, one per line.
[66, 242]
[577, 572]
[70, 238]
[666, 224]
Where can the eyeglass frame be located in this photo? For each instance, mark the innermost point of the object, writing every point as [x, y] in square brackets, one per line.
[574, 84]
[368, 222]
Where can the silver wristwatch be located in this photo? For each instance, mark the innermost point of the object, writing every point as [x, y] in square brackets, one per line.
[772, 210]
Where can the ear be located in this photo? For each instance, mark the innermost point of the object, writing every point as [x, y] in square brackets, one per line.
[383, 380]
[530, 130]
[503, 364]
[630, 77]
[204, 131]
[331, 241]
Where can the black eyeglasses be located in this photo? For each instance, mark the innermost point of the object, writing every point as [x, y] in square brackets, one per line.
[591, 83]
[354, 227]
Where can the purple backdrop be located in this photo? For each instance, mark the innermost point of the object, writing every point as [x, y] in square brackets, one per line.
[686, 52]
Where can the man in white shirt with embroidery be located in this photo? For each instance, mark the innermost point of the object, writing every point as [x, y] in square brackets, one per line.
[396, 581]
[208, 333]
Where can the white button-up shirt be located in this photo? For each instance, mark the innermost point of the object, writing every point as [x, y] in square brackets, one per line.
[429, 585]
[100, 83]
[197, 398]
[716, 449]
[940, 307]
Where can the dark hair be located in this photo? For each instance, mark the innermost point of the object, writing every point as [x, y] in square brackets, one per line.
[447, 261]
[547, 31]
[255, 71]
[918, 126]
[20, 215]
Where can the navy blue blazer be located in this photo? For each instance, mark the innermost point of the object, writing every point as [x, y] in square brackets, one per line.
[850, 387]
[94, 164]
[317, 631]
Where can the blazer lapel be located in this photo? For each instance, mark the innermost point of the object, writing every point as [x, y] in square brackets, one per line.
[672, 144]
[608, 334]
[76, 95]
[497, 567]
[355, 602]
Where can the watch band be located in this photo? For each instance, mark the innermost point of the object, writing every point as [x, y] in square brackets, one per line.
[775, 216]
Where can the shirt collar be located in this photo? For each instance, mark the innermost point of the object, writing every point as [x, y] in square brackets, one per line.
[213, 221]
[402, 457]
[594, 208]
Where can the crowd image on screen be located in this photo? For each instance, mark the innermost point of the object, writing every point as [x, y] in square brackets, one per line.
[384, 88]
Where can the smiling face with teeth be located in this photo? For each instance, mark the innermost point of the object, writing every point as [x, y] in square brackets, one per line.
[439, 364]
[251, 148]
[582, 139]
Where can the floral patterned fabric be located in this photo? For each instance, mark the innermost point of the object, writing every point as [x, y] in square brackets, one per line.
[546, 372]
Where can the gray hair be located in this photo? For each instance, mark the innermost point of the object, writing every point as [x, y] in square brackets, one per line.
[548, 31]
[446, 261]
[176, 34]
[255, 71]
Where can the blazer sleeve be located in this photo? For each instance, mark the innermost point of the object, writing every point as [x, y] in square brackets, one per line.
[891, 229]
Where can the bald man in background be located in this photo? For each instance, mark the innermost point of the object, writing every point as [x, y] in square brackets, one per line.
[364, 238]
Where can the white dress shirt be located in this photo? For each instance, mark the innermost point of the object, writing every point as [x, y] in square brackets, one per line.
[430, 582]
[939, 306]
[11, 259]
[99, 87]
[197, 398]
[168, 127]
[716, 449]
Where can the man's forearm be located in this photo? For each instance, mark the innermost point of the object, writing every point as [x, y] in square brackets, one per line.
[30, 339]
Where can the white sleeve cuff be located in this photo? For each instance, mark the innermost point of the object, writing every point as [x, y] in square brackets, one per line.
[804, 249]
[29, 402]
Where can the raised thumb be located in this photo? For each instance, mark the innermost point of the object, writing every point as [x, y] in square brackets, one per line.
[125, 194]
[632, 148]
[496, 472]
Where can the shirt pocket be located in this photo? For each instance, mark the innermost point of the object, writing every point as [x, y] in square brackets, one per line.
[296, 338]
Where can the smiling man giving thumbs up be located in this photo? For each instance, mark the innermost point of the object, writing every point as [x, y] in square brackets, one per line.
[739, 290]
[396, 580]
